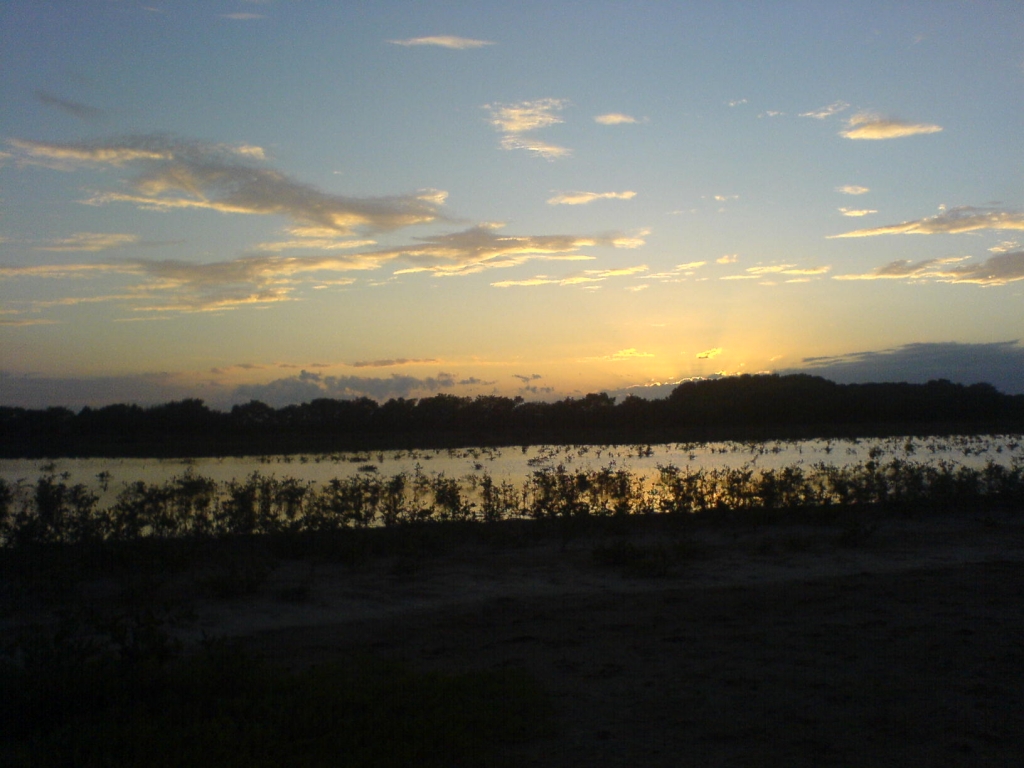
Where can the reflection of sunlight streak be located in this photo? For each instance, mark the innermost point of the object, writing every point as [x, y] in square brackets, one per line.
[647, 465]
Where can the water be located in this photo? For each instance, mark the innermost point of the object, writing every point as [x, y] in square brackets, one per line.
[107, 477]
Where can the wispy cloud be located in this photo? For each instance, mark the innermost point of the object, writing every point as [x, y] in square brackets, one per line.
[615, 118]
[710, 354]
[181, 286]
[90, 241]
[617, 357]
[576, 278]
[69, 156]
[515, 120]
[629, 354]
[953, 221]
[307, 238]
[527, 378]
[857, 211]
[444, 41]
[26, 323]
[535, 146]
[60, 270]
[230, 179]
[622, 271]
[482, 247]
[270, 194]
[582, 198]
[728, 258]
[629, 241]
[174, 285]
[242, 16]
[392, 362]
[997, 270]
[852, 189]
[866, 125]
[678, 273]
[792, 273]
[35, 305]
[75, 108]
[906, 269]
[220, 370]
[313, 243]
[827, 111]
[788, 269]
[1004, 246]
[526, 115]
[529, 281]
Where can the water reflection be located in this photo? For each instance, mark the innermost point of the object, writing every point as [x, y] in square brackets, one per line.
[108, 477]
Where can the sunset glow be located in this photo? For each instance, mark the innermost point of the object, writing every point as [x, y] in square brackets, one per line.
[281, 201]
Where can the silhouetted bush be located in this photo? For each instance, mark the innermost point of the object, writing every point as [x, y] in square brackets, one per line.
[53, 513]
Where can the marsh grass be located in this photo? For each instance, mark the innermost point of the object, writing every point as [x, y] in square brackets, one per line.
[228, 536]
[190, 508]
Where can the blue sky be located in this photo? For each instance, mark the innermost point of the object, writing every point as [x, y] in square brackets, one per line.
[284, 200]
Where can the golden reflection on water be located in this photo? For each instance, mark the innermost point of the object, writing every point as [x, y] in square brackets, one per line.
[107, 477]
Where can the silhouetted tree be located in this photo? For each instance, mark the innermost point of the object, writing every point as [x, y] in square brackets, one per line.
[762, 403]
[252, 416]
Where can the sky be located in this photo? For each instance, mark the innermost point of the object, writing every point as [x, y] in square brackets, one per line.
[289, 199]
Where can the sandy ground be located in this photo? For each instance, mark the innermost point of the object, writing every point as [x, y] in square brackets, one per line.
[899, 643]
[779, 645]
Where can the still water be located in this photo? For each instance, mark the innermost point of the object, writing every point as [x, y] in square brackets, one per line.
[107, 477]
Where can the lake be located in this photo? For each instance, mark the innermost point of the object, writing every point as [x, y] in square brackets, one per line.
[107, 477]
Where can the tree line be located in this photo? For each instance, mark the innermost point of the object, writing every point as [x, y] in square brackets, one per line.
[747, 406]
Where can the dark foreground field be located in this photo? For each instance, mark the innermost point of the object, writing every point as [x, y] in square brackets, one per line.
[898, 641]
